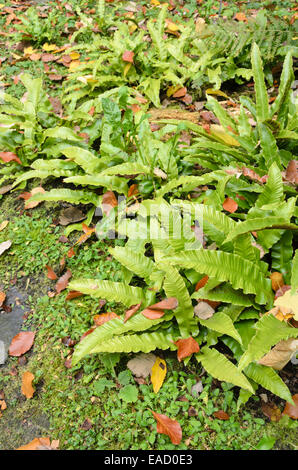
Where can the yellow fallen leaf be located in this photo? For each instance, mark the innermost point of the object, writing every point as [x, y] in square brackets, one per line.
[3, 225]
[155, 3]
[220, 133]
[27, 388]
[74, 55]
[87, 79]
[127, 68]
[288, 301]
[49, 47]
[172, 89]
[158, 373]
[74, 64]
[29, 50]
[171, 26]
[132, 28]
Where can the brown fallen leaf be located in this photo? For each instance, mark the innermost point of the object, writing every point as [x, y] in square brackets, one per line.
[271, 411]
[201, 283]
[51, 274]
[5, 189]
[71, 215]
[70, 253]
[277, 281]
[73, 295]
[292, 410]
[168, 426]
[280, 355]
[27, 388]
[142, 364]
[180, 93]
[221, 415]
[104, 317]
[21, 343]
[203, 310]
[128, 56]
[186, 347]
[131, 311]
[158, 310]
[109, 201]
[292, 172]
[62, 283]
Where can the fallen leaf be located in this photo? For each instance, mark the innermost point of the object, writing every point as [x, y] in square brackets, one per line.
[109, 201]
[21, 343]
[40, 443]
[131, 311]
[292, 172]
[27, 388]
[186, 347]
[203, 310]
[71, 215]
[3, 405]
[221, 415]
[287, 301]
[128, 56]
[31, 205]
[9, 157]
[230, 205]
[240, 16]
[2, 298]
[63, 281]
[180, 93]
[277, 281]
[292, 410]
[104, 317]
[142, 364]
[271, 411]
[133, 190]
[70, 253]
[280, 355]
[3, 225]
[157, 310]
[5, 189]
[201, 283]
[51, 274]
[168, 426]
[158, 374]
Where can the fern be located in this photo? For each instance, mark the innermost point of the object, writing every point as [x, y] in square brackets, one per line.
[269, 379]
[135, 343]
[223, 324]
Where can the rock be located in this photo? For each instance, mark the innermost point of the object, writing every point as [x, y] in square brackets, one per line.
[3, 353]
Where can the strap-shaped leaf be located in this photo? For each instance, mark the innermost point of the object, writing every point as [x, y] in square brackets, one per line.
[69, 195]
[224, 293]
[262, 103]
[256, 224]
[127, 168]
[286, 79]
[223, 324]
[227, 267]
[190, 182]
[110, 329]
[269, 379]
[138, 263]
[135, 343]
[294, 278]
[269, 331]
[268, 144]
[217, 365]
[111, 182]
[112, 291]
[83, 158]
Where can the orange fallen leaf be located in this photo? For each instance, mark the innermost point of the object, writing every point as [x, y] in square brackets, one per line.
[109, 201]
[131, 311]
[51, 274]
[9, 157]
[240, 17]
[73, 295]
[277, 281]
[40, 443]
[201, 283]
[186, 347]
[180, 93]
[128, 56]
[2, 298]
[27, 388]
[168, 426]
[21, 343]
[230, 205]
[157, 310]
[32, 204]
[221, 415]
[3, 405]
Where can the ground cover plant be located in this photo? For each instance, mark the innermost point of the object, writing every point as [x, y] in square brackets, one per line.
[170, 222]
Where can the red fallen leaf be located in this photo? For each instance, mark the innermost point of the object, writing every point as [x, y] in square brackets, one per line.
[71, 253]
[51, 274]
[292, 172]
[201, 283]
[87, 332]
[186, 347]
[168, 426]
[128, 56]
[21, 343]
[271, 411]
[157, 310]
[104, 317]
[63, 281]
[292, 410]
[230, 205]
[73, 295]
[180, 93]
[131, 311]
[108, 202]
[221, 415]
[9, 157]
